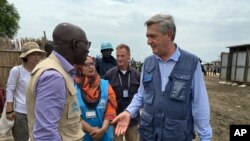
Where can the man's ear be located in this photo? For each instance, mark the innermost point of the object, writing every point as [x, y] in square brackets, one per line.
[74, 45]
[170, 34]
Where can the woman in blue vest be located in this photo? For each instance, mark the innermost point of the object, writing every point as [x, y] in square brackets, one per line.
[97, 101]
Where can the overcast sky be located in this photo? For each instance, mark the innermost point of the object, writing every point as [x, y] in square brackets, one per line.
[204, 27]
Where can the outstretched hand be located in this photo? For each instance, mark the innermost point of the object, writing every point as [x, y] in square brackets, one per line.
[122, 122]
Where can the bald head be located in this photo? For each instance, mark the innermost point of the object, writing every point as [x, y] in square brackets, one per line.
[71, 42]
[66, 32]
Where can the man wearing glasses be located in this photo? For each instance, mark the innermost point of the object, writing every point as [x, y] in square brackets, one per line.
[53, 112]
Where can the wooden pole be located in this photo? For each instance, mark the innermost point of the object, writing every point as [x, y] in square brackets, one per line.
[44, 34]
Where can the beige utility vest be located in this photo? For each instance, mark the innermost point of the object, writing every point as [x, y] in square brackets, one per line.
[70, 127]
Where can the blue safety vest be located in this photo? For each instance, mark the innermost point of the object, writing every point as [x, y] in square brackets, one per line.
[100, 110]
[167, 115]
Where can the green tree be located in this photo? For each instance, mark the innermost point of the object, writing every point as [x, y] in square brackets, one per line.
[9, 19]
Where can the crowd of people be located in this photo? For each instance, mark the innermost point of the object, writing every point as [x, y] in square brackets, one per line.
[70, 96]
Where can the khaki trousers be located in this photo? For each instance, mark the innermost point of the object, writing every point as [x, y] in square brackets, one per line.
[130, 135]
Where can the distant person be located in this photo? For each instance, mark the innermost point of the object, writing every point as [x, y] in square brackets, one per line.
[107, 61]
[214, 70]
[208, 69]
[48, 47]
[97, 101]
[17, 82]
[203, 68]
[53, 111]
[172, 91]
[125, 81]
[211, 70]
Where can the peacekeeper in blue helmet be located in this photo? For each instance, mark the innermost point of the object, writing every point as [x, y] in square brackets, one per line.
[107, 61]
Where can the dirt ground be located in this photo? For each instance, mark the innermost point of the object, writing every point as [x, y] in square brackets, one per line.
[229, 106]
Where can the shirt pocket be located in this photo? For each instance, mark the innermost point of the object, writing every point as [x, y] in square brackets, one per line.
[146, 126]
[73, 110]
[72, 125]
[179, 87]
[174, 130]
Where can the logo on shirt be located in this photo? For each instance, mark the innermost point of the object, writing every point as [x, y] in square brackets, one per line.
[102, 104]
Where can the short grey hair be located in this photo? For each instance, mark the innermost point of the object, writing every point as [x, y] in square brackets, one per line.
[166, 23]
[121, 46]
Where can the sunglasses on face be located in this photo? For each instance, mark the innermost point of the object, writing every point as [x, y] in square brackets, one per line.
[87, 65]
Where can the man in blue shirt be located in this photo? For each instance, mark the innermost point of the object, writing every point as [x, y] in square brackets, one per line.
[172, 91]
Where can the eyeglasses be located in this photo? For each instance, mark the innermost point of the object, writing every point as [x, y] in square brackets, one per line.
[87, 65]
[87, 43]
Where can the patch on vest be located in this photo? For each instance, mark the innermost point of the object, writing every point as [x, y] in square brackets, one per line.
[147, 77]
[75, 107]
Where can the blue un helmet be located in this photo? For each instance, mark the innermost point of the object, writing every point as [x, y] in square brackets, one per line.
[106, 46]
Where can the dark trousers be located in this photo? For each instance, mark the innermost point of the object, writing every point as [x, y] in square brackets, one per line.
[20, 129]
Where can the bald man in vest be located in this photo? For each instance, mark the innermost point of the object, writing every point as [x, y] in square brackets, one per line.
[53, 113]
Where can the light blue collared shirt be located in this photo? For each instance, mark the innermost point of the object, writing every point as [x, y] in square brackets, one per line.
[200, 102]
[50, 101]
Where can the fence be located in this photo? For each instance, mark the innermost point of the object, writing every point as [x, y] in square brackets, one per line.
[8, 59]
[9, 55]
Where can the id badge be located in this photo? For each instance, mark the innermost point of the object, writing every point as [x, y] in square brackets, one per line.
[125, 93]
[91, 114]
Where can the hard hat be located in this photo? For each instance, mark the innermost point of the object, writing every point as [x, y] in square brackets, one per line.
[106, 45]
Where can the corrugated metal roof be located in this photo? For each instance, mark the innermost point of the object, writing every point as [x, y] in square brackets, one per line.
[239, 46]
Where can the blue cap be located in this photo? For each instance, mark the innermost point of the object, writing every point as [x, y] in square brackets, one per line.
[106, 45]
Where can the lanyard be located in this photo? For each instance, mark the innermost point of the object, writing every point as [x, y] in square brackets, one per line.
[121, 80]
